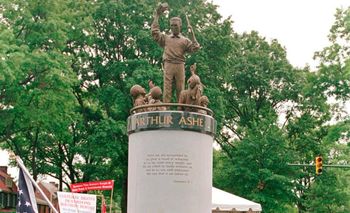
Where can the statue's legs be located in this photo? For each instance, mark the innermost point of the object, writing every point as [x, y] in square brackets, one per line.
[177, 72]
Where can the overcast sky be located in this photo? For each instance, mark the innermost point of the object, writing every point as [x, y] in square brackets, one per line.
[301, 26]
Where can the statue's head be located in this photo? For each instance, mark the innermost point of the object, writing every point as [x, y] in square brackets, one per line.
[203, 101]
[193, 81]
[156, 93]
[175, 25]
[137, 90]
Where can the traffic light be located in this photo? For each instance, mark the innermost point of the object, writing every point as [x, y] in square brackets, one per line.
[318, 165]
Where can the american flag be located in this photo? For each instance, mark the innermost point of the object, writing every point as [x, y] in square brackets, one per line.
[26, 198]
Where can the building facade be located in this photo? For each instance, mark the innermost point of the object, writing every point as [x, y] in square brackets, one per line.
[8, 191]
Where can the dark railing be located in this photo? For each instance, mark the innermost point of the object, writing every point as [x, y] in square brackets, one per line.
[170, 107]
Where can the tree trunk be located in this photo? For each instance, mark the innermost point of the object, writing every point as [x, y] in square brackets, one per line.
[34, 153]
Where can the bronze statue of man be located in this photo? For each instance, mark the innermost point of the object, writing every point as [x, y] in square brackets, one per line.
[175, 47]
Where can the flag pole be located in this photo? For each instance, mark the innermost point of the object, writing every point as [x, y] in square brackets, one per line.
[111, 203]
[24, 169]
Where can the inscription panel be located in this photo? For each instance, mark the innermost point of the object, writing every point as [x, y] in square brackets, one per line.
[168, 167]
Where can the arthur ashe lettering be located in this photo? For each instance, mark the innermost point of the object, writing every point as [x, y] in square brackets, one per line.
[172, 120]
[168, 120]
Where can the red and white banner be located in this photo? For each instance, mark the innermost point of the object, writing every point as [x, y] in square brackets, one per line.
[95, 185]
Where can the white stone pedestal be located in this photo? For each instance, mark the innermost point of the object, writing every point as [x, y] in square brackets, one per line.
[170, 162]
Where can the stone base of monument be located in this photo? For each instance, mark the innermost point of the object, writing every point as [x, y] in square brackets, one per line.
[170, 162]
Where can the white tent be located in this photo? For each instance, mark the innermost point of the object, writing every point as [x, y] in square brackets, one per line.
[224, 201]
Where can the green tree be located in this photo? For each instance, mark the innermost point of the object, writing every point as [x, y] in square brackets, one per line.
[258, 168]
[36, 98]
[105, 47]
[258, 84]
[331, 80]
[330, 191]
[334, 71]
[327, 194]
[265, 87]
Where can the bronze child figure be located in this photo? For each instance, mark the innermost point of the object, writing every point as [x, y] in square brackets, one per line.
[203, 102]
[138, 94]
[155, 98]
[193, 93]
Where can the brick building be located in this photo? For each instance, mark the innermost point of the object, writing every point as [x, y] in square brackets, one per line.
[50, 190]
[8, 191]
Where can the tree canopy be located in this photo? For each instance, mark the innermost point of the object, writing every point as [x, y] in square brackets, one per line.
[66, 69]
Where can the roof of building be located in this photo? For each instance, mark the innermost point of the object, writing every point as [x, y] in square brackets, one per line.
[3, 186]
[4, 174]
[49, 189]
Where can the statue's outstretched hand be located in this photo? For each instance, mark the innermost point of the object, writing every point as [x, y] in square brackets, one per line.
[162, 7]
